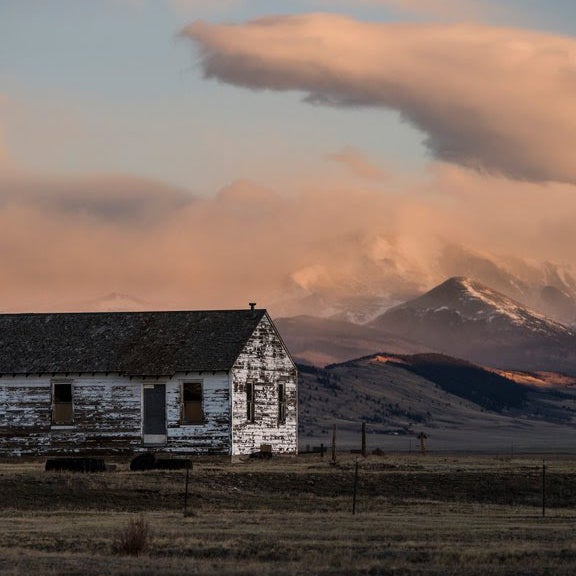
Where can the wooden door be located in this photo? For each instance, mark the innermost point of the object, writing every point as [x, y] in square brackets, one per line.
[154, 414]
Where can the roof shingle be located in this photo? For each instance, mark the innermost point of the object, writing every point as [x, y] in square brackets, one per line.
[131, 343]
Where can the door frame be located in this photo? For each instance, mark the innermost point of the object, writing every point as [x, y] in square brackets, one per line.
[153, 439]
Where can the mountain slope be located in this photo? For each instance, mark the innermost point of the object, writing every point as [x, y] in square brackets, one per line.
[321, 341]
[459, 407]
[362, 276]
[464, 318]
[487, 389]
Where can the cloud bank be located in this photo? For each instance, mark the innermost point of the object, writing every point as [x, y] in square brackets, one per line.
[442, 9]
[499, 100]
[66, 242]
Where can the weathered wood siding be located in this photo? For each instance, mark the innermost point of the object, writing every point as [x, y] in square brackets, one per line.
[264, 362]
[213, 435]
[107, 416]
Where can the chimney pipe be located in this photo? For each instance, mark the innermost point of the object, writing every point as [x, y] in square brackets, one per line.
[252, 306]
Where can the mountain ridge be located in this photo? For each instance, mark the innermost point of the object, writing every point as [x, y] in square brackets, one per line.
[459, 317]
[380, 271]
[399, 396]
[467, 319]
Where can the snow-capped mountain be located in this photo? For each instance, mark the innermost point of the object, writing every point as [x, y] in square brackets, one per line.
[371, 274]
[467, 319]
[460, 300]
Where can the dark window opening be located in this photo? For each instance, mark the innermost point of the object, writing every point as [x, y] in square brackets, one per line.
[62, 406]
[192, 412]
[281, 403]
[250, 402]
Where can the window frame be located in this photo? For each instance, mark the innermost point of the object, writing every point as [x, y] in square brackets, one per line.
[55, 422]
[183, 420]
[250, 401]
[282, 406]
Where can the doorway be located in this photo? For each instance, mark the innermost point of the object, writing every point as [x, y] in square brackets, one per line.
[154, 414]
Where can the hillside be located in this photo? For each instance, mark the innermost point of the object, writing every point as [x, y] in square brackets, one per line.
[321, 341]
[460, 406]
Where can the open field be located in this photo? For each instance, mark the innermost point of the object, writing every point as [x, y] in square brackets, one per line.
[433, 515]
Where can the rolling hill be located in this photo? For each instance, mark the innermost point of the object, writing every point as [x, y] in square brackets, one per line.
[321, 341]
[460, 406]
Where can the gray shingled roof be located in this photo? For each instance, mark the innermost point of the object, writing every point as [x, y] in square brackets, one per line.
[131, 343]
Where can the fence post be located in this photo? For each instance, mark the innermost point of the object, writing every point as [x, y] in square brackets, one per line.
[364, 439]
[423, 437]
[186, 490]
[543, 488]
[355, 488]
[334, 444]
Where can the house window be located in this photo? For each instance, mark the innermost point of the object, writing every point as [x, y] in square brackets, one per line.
[281, 403]
[250, 402]
[192, 412]
[62, 405]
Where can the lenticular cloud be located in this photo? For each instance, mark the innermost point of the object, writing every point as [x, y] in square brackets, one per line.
[496, 99]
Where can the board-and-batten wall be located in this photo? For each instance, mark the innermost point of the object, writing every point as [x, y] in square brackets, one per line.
[108, 416]
[264, 362]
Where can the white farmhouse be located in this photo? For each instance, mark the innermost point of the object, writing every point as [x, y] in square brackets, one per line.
[202, 382]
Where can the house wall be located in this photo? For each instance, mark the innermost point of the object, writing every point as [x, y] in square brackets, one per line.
[211, 437]
[107, 416]
[265, 362]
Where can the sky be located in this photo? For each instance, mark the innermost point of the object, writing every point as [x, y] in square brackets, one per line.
[208, 153]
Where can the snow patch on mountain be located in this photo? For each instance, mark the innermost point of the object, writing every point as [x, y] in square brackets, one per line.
[492, 305]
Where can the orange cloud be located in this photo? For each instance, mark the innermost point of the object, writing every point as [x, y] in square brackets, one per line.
[442, 9]
[496, 99]
[65, 242]
[129, 200]
[5, 161]
[358, 164]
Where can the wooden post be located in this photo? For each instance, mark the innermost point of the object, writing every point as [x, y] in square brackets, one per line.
[334, 444]
[543, 488]
[355, 488]
[186, 490]
[364, 439]
[422, 437]
[322, 450]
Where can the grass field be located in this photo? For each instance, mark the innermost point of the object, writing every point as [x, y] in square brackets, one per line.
[434, 515]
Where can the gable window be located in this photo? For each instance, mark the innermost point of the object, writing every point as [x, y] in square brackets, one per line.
[281, 403]
[250, 402]
[62, 404]
[192, 396]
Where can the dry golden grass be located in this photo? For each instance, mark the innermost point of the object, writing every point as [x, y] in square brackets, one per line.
[290, 517]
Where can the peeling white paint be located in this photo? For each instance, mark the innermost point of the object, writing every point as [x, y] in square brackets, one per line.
[265, 362]
[108, 409]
